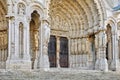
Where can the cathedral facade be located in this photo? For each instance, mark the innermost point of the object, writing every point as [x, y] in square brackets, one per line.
[45, 34]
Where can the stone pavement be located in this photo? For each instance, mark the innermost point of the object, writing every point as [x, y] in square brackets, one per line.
[58, 74]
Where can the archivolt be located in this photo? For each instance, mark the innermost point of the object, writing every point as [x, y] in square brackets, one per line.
[78, 14]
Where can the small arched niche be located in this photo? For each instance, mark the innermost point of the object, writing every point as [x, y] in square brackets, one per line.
[34, 36]
[21, 38]
[109, 52]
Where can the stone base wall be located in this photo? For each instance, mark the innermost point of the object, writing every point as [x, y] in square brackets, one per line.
[19, 64]
[81, 61]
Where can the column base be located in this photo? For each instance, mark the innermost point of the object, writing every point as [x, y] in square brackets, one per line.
[2, 65]
[46, 64]
[101, 64]
[43, 64]
[114, 65]
[18, 64]
[97, 64]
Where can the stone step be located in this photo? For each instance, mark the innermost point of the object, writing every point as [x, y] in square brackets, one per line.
[58, 74]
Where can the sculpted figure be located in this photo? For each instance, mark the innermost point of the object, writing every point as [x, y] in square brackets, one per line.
[46, 36]
[104, 41]
[36, 39]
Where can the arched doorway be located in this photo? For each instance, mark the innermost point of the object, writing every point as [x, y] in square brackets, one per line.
[70, 18]
[34, 36]
[109, 53]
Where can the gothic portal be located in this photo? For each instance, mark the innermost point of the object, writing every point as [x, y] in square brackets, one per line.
[45, 34]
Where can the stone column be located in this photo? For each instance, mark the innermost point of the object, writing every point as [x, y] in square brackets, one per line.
[11, 41]
[115, 58]
[97, 52]
[58, 51]
[101, 62]
[14, 61]
[45, 41]
[39, 57]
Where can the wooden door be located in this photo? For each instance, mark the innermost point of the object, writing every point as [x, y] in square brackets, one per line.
[63, 52]
[52, 51]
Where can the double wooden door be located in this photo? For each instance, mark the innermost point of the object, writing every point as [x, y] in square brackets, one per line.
[63, 52]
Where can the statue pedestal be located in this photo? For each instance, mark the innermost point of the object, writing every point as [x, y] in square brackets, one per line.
[97, 64]
[114, 65]
[2, 65]
[101, 64]
[46, 61]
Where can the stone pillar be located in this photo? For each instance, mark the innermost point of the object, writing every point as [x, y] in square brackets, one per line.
[58, 51]
[45, 36]
[115, 58]
[14, 61]
[101, 63]
[11, 41]
[97, 52]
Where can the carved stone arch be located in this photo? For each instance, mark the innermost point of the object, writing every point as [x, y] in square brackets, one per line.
[36, 7]
[102, 11]
[118, 25]
[112, 22]
[109, 45]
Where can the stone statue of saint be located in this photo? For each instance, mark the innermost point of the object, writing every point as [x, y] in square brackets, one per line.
[46, 36]
[36, 39]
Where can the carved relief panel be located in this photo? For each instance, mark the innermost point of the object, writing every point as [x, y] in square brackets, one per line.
[21, 9]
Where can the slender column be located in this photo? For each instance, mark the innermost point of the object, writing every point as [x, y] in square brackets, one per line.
[45, 41]
[11, 42]
[97, 52]
[101, 62]
[27, 40]
[39, 58]
[58, 51]
[115, 61]
[70, 56]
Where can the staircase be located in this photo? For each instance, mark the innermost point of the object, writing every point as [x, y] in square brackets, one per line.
[58, 74]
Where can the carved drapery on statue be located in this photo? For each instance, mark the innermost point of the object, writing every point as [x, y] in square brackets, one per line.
[3, 39]
[46, 33]
[36, 40]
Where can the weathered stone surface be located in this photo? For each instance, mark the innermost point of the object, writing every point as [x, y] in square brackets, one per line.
[86, 34]
[55, 74]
